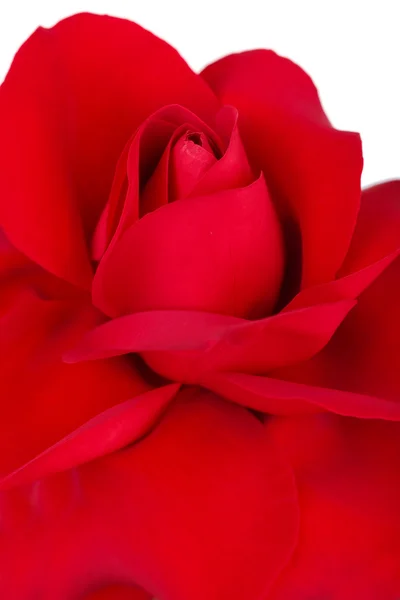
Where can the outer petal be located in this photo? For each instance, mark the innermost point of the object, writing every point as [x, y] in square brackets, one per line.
[202, 508]
[187, 345]
[107, 432]
[356, 373]
[347, 471]
[278, 397]
[313, 169]
[378, 227]
[42, 398]
[18, 273]
[364, 354]
[73, 96]
[374, 246]
[117, 592]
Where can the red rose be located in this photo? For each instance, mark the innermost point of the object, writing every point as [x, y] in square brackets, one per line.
[200, 338]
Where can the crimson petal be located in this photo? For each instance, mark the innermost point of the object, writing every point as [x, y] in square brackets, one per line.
[219, 253]
[314, 170]
[278, 397]
[117, 592]
[149, 145]
[347, 471]
[203, 507]
[45, 399]
[73, 97]
[107, 432]
[232, 170]
[186, 345]
[364, 354]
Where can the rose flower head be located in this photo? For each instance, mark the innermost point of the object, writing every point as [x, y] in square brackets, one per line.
[199, 331]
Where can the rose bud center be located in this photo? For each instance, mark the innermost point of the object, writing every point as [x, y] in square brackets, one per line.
[188, 224]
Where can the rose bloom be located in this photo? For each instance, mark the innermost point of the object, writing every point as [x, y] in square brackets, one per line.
[200, 332]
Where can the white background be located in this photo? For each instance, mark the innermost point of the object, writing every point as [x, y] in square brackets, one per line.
[351, 48]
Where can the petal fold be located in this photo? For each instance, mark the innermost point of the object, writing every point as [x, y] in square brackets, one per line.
[313, 169]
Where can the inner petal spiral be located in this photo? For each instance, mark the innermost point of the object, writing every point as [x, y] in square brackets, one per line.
[188, 225]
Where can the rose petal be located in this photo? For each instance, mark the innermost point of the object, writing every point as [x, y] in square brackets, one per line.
[191, 158]
[377, 232]
[313, 169]
[206, 174]
[364, 354]
[156, 192]
[232, 170]
[44, 399]
[117, 592]
[348, 287]
[19, 274]
[203, 507]
[347, 471]
[10, 258]
[277, 397]
[184, 345]
[374, 246]
[156, 330]
[105, 433]
[137, 190]
[73, 96]
[144, 163]
[220, 253]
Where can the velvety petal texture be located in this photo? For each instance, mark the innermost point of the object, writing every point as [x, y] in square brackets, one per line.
[117, 592]
[203, 243]
[107, 432]
[73, 97]
[363, 356]
[347, 472]
[42, 398]
[217, 343]
[313, 169]
[217, 253]
[199, 331]
[177, 514]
